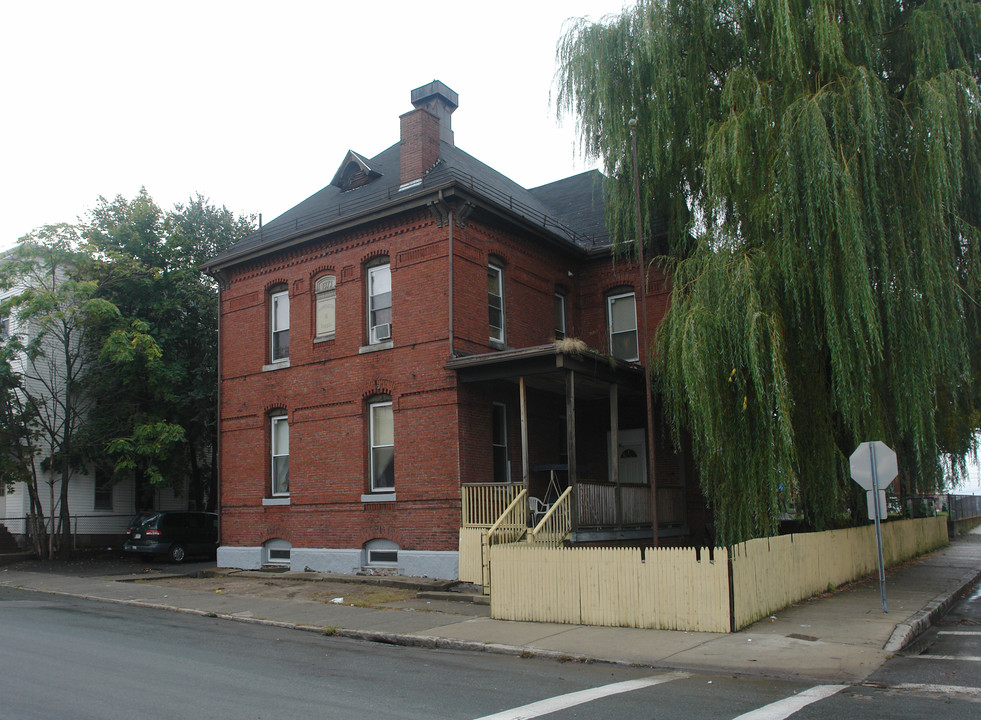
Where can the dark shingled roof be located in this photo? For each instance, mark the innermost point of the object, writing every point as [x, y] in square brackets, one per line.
[571, 210]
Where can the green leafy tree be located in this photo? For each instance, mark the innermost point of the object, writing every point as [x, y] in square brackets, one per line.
[55, 308]
[157, 416]
[19, 435]
[818, 165]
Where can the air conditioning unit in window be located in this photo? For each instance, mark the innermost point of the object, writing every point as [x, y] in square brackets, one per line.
[381, 333]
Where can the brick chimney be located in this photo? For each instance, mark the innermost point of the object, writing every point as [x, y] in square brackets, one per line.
[424, 128]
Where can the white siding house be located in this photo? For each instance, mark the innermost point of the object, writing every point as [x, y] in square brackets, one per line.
[99, 511]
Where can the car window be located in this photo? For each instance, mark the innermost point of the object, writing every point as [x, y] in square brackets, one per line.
[172, 521]
[145, 520]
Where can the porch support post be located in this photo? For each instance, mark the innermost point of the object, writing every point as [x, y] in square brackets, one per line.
[570, 442]
[525, 473]
[615, 452]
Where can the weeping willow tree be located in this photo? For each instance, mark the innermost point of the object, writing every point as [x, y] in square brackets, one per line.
[818, 165]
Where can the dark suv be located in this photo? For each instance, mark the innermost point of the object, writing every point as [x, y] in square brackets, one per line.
[173, 535]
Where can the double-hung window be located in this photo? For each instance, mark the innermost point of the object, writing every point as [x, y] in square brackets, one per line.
[559, 311]
[379, 304]
[103, 490]
[280, 456]
[325, 290]
[381, 431]
[495, 303]
[622, 317]
[279, 326]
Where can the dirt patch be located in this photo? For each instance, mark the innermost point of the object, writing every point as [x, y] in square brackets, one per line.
[324, 591]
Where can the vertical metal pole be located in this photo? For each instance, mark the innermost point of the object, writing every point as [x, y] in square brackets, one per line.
[525, 473]
[615, 453]
[449, 294]
[570, 444]
[645, 351]
[878, 529]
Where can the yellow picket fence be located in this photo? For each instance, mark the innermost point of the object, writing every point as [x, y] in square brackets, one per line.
[771, 573]
[481, 505]
[686, 589]
[667, 588]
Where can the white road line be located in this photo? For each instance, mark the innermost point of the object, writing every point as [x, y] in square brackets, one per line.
[959, 632]
[965, 658]
[561, 702]
[788, 706]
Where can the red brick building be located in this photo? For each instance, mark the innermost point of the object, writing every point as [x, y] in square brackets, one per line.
[393, 338]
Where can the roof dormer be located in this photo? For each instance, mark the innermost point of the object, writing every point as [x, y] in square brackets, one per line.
[353, 172]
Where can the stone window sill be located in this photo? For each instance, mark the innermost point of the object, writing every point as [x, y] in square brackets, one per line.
[378, 497]
[388, 345]
[279, 365]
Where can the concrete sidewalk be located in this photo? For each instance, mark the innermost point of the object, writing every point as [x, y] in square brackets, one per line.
[839, 638]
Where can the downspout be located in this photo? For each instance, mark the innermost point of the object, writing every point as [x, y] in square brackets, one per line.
[217, 469]
[450, 273]
[449, 330]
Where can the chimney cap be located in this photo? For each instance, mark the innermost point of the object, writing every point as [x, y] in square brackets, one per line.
[421, 95]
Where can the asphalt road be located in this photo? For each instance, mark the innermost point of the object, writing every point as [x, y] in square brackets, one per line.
[62, 656]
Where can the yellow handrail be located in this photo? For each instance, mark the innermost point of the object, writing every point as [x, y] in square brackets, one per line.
[556, 526]
[513, 521]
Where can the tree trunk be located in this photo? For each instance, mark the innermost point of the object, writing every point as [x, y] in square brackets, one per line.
[52, 534]
[38, 530]
[65, 551]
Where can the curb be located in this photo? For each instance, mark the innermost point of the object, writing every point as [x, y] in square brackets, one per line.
[453, 597]
[431, 642]
[906, 632]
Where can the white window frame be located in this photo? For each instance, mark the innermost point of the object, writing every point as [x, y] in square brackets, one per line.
[495, 304]
[375, 549]
[325, 310]
[275, 300]
[559, 311]
[278, 552]
[378, 332]
[499, 413]
[611, 331]
[275, 482]
[374, 446]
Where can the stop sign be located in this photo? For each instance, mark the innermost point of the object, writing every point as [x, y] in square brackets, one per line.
[886, 467]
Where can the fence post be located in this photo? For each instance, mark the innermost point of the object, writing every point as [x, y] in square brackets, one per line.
[732, 593]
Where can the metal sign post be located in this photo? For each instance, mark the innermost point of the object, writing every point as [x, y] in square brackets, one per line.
[873, 466]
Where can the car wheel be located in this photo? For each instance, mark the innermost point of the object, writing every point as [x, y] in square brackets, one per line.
[176, 553]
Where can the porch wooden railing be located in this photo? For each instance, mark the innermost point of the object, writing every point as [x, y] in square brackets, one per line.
[513, 522]
[510, 527]
[596, 505]
[635, 501]
[556, 527]
[482, 504]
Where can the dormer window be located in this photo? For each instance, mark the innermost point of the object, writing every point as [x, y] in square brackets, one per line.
[353, 176]
[353, 173]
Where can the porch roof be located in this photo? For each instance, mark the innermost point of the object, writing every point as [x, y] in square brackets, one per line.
[544, 367]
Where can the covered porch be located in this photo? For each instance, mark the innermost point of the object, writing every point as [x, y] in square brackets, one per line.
[574, 407]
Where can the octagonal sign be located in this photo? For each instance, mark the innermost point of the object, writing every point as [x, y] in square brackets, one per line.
[886, 467]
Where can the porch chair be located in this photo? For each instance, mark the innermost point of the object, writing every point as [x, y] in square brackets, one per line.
[537, 508]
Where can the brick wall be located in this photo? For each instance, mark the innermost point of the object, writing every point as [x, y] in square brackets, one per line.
[442, 430]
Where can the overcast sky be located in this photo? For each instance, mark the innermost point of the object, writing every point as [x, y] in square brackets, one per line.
[254, 104]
